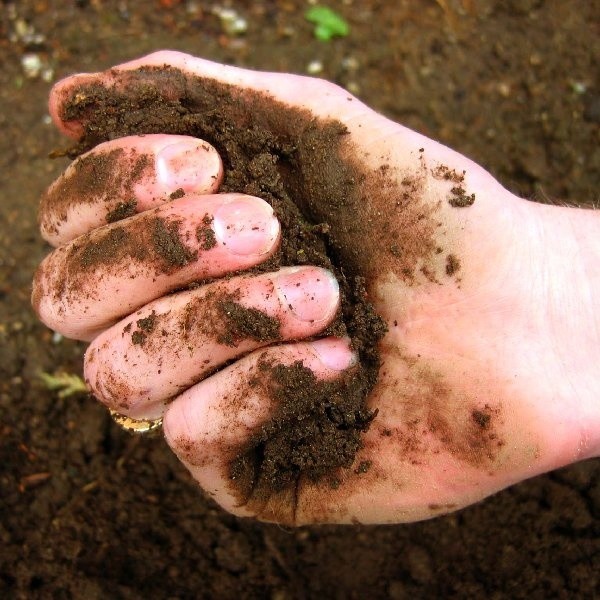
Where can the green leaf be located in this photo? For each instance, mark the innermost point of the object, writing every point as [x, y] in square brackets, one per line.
[327, 22]
[65, 383]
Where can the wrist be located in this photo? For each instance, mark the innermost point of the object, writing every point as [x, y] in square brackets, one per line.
[569, 244]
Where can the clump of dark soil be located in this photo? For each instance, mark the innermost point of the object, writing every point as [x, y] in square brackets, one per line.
[168, 244]
[205, 234]
[122, 211]
[460, 198]
[145, 327]
[281, 155]
[452, 264]
[314, 431]
[242, 323]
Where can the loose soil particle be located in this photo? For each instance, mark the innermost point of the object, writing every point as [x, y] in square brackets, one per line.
[460, 198]
[452, 265]
[122, 211]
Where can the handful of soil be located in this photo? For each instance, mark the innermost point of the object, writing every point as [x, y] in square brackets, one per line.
[298, 165]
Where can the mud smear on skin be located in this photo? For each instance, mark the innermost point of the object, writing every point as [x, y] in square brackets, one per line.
[108, 178]
[470, 430]
[307, 170]
[149, 240]
[220, 316]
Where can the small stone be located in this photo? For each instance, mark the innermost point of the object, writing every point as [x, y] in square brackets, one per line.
[314, 67]
[579, 87]
[350, 63]
[47, 74]
[32, 65]
[535, 60]
[504, 89]
[231, 22]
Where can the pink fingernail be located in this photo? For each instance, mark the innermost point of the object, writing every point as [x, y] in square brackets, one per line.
[335, 353]
[246, 226]
[192, 165]
[312, 294]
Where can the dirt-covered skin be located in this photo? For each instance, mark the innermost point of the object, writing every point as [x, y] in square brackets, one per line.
[60, 531]
[457, 414]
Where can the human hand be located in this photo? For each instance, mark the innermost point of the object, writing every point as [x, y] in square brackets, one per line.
[461, 414]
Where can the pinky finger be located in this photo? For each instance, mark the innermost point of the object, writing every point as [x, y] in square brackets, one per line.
[218, 427]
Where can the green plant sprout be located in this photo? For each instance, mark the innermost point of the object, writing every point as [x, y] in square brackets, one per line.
[65, 383]
[327, 22]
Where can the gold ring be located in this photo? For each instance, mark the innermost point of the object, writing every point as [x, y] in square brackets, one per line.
[138, 426]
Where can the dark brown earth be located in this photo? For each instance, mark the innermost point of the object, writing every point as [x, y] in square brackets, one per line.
[87, 510]
[314, 432]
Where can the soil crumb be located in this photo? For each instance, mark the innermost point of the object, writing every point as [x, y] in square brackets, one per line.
[315, 430]
[122, 211]
[168, 244]
[205, 234]
[145, 327]
[147, 324]
[448, 174]
[459, 197]
[452, 265]
[243, 323]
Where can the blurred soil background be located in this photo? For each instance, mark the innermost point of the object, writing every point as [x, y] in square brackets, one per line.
[89, 511]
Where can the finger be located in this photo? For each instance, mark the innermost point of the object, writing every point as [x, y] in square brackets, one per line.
[123, 177]
[174, 342]
[70, 100]
[91, 282]
[211, 426]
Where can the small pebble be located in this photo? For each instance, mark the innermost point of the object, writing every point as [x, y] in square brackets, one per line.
[314, 67]
[231, 22]
[32, 65]
[353, 87]
[47, 74]
[350, 63]
[504, 89]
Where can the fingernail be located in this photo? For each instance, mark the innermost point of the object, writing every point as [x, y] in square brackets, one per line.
[335, 353]
[246, 226]
[189, 164]
[312, 294]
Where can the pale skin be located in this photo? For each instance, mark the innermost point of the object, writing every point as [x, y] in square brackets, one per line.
[506, 348]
